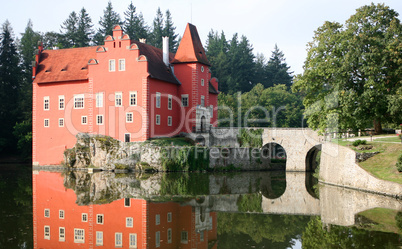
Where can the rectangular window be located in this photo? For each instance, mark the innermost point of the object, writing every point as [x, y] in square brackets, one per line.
[157, 219]
[202, 82]
[169, 235]
[169, 217]
[61, 122]
[118, 99]
[99, 219]
[84, 217]
[129, 117]
[46, 103]
[202, 101]
[127, 138]
[99, 238]
[133, 240]
[158, 119]
[122, 65]
[127, 202]
[211, 110]
[118, 242]
[47, 213]
[169, 121]
[61, 214]
[99, 99]
[62, 234]
[79, 101]
[99, 119]
[133, 98]
[47, 232]
[184, 237]
[158, 239]
[84, 120]
[129, 222]
[112, 65]
[79, 235]
[46, 123]
[170, 102]
[184, 100]
[202, 236]
[158, 100]
[61, 102]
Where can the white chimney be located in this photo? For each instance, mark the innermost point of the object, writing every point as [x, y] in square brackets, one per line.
[165, 40]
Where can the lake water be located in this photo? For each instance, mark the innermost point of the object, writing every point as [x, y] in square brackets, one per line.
[40, 209]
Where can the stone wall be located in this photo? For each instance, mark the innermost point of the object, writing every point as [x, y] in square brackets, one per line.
[338, 167]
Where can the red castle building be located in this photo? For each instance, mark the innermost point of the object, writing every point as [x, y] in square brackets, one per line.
[125, 89]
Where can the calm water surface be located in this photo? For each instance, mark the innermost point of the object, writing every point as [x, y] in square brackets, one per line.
[40, 209]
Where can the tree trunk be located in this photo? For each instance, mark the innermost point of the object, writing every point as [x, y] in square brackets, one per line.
[377, 127]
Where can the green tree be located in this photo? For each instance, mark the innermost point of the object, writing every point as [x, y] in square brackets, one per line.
[10, 83]
[134, 25]
[70, 27]
[84, 29]
[169, 31]
[277, 71]
[157, 30]
[54, 39]
[217, 50]
[107, 22]
[352, 74]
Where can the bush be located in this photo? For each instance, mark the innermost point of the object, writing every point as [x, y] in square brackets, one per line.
[399, 163]
[358, 142]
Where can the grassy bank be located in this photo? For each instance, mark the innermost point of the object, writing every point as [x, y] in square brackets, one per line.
[381, 165]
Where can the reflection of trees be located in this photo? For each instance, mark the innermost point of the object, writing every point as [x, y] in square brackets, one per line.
[16, 208]
[236, 229]
[185, 184]
[315, 236]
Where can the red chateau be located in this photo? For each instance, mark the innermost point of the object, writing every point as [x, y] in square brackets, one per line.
[125, 89]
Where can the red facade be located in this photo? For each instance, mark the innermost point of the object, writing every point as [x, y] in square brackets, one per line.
[122, 89]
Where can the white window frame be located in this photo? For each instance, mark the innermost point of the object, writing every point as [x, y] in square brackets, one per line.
[132, 240]
[77, 101]
[170, 102]
[169, 217]
[158, 239]
[79, 235]
[169, 121]
[118, 99]
[127, 200]
[61, 122]
[129, 222]
[99, 99]
[212, 110]
[133, 98]
[202, 82]
[184, 96]
[84, 217]
[158, 100]
[61, 214]
[158, 119]
[101, 119]
[118, 239]
[169, 235]
[157, 219]
[122, 64]
[62, 102]
[62, 235]
[202, 100]
[202, 69]
[99, 238]
[46, 213]
[184, 237]
[129, 117]
[102, 219]
[46, 122]
[202, 236]
[46, 103]
[112, 65]
[82, 120]
[46, 231]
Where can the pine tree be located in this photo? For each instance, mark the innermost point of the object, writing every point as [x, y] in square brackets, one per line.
[142, 29]
[70, 27]
[107, 22]
[84, 29]
[278, 70]
[169, 31]
[10, 82]
[130, 20]
[157, 31]
[217, 53]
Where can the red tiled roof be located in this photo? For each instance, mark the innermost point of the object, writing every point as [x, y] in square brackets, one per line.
[64, 64]
[190, 48]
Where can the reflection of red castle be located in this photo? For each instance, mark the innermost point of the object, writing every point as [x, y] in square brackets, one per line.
[126, 223]
[125, 89]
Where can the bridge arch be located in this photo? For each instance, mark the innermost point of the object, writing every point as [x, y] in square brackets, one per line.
[313, 157]
[274, 155]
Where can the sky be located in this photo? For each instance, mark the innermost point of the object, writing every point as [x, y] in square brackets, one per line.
[288, 23]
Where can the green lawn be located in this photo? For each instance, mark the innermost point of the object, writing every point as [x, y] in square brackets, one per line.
[388, 139]
[381, 220]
